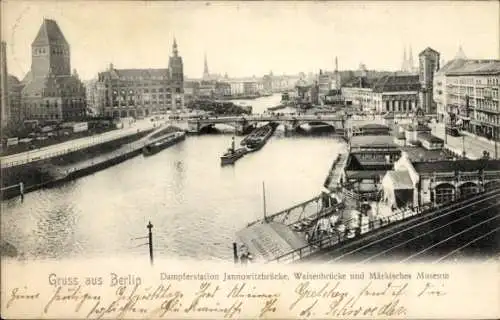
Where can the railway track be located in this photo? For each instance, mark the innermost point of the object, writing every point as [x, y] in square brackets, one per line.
[440, 235]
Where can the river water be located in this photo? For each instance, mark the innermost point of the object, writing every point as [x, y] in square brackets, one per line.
[195, 205]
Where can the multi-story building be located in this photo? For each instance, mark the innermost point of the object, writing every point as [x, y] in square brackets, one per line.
[50, 91]
[250, 87]
[207, 89]
[440, 97]
[358, 92]
[472, 94]
[143, 92]
[390, 93]
[4, 89]
[324, 83]
[276, 83]
[428, 66]
[222, 89]
[191, 90]
[95, 93]
[315, 93]
[236, 88]
[396, 93]
[14, 102]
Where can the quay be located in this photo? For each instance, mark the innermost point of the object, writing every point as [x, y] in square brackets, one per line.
[58, 170]
[57, 150]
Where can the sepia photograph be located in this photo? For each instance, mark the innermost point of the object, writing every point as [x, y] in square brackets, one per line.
[249, 133]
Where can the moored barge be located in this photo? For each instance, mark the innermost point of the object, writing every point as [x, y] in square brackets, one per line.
[258, 138]
[162, 142]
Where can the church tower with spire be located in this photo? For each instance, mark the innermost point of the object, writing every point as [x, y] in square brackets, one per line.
[404, 65]
[411, 64]
[336, 75]
[176, 74]
[206, 74]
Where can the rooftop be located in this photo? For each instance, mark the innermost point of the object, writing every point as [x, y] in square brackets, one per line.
[400, 179]
[456, 165]
[391, 83]
[466, 67]
[360, 82]
[377, 126]
[422, 154]
[373, 141]
[356, 163]
[416, 127]
[428, 50]
[136, 73]
[364, 174]
[49, 33]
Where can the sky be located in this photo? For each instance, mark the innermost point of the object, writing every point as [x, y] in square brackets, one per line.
[251, 38]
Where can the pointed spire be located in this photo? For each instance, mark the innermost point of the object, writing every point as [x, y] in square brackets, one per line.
[174, 48]
[336, 64]
[410, 60]
[403, 67]
[460, 54]
[205, 69]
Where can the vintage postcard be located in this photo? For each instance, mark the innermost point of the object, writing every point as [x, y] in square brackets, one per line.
[250, 160]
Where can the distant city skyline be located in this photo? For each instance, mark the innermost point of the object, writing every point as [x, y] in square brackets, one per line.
[246, 39]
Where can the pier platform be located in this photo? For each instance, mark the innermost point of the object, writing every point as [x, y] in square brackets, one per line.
[270, 240]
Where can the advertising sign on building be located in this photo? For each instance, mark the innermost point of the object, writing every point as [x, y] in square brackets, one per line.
[12, 141]
[80, 126]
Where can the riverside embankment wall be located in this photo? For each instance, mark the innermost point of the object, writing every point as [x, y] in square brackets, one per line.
[39, 174]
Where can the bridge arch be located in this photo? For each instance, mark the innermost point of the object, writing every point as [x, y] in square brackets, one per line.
[443, 192]
[468, 188]
[317, 123]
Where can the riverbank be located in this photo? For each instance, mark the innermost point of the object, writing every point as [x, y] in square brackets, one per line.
[51, 172]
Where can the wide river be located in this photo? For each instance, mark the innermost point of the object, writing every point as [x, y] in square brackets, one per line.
[195, 205]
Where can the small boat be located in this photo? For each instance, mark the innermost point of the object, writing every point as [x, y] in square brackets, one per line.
[162, 142]
[232, 154]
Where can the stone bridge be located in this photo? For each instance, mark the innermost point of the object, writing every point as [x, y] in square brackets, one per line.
[290, 122]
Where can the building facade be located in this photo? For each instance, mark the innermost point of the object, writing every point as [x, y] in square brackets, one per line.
[390, 93]
[191, 90]
[440, 86]
[428, 66]
[250, 88]
[144, 92]
[15, 104]
[95, 93]
[472, 94]
[4, 86]
[50, 91]
[438, 182]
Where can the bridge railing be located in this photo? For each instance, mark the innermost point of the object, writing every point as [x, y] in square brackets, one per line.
[338, 237]
[285, 211]
[350, 233]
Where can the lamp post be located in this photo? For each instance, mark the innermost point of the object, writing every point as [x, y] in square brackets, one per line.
[150, 242]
